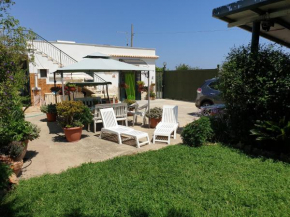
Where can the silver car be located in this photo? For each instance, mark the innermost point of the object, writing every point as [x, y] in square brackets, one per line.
[208, 94]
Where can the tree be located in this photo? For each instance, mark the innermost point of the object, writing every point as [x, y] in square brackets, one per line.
[255, 89]
[13, 54]
[183, 67]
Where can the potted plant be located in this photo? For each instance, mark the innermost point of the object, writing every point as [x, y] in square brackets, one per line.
[71, 87]
[140, 85]
[155, 115]
[55, 90]
[50, 111]
[72, 115]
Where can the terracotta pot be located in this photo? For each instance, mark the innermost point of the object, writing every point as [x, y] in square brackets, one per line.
[22, 155]
[73, 134]
[72, 89]
[152, 98]
[51, 117]
[17, 166]
[154, 122]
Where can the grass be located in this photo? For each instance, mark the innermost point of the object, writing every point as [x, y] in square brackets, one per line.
[175, 181]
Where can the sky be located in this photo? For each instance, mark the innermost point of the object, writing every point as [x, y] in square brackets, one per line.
[181, 31]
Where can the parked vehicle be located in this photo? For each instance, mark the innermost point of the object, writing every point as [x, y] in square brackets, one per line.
[208, 94]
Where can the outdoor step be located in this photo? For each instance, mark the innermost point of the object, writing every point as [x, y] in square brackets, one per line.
[44, 55]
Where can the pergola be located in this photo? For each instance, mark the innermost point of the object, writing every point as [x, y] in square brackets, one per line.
[267, 18]
[98, 62]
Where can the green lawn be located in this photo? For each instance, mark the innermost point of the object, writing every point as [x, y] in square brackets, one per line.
[175, 181]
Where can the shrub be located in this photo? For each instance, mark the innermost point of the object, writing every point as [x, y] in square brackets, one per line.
[155, 113]
[255, 87]
[198, 132]
[73, 114]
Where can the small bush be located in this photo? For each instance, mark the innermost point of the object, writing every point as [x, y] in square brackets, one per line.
[198, 132]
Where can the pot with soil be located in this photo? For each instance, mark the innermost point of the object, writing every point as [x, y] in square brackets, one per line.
[73, 134]
[155, 115]
[50, 111]
[72, 115]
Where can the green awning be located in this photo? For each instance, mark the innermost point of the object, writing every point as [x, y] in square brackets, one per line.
[82, 84]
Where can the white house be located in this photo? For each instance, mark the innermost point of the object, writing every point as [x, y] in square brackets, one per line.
[49, 56]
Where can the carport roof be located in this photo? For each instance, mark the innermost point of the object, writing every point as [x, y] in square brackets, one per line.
[243, 13]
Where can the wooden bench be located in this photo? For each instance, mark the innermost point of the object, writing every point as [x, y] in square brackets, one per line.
[120, 110]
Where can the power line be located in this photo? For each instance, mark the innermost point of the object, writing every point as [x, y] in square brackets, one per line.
[191, 32]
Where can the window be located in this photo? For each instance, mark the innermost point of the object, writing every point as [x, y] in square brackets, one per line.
[214, 85]
[43, 73]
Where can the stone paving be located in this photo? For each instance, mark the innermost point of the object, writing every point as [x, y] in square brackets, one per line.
[51, 153]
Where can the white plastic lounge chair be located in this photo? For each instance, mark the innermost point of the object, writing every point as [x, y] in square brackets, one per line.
[111, 126]
[139, 111]
[168, 124]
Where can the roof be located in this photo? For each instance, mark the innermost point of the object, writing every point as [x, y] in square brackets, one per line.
[100, 45]
[273, 14]
[135, 56]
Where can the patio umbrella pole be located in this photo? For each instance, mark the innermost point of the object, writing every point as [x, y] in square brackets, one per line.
[107, 93]
[62, 86]
[148, 96]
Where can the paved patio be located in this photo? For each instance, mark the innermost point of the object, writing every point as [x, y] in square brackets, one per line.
[52, 154]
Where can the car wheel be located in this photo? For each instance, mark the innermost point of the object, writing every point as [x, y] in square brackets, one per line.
[206, 103]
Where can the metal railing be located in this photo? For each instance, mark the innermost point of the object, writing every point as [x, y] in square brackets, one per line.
[53, 53]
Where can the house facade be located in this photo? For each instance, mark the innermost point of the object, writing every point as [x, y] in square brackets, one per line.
[49, 56]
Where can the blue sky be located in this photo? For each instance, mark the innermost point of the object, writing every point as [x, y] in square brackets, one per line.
[157, 24]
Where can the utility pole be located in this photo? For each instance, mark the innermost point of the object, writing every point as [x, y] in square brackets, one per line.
[132, 35]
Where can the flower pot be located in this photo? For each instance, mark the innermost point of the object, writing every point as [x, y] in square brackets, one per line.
[17, 166]
[152, 98]
[51, 117]
[73, 134]
[22, 155]
[72, 89]
[154, 122]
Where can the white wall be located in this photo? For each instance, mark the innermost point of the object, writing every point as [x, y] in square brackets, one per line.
[78, 51]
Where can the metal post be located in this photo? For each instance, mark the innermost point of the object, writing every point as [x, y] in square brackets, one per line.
[132, 35]
[148, 96]
[55, 93]
[63, 94]
[255, 36]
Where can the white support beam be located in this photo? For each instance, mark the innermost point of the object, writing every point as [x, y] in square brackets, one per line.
[266, 16]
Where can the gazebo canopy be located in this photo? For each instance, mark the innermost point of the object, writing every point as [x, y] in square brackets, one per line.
[98, 62]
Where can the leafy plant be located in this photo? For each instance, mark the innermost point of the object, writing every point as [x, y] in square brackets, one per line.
[140, 83]
[50, 108]
[272, 131]
[155, 113]
[15, 148]
[55, 89]
[72, 113]
[152, 94]
[129, 101]
[71, 85]
[198, 132]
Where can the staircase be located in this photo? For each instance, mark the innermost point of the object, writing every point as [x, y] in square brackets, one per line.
[41, 46]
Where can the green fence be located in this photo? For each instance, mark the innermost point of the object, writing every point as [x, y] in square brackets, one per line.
[182, 85]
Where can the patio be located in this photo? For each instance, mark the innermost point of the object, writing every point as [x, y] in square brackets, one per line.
[52, 154]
